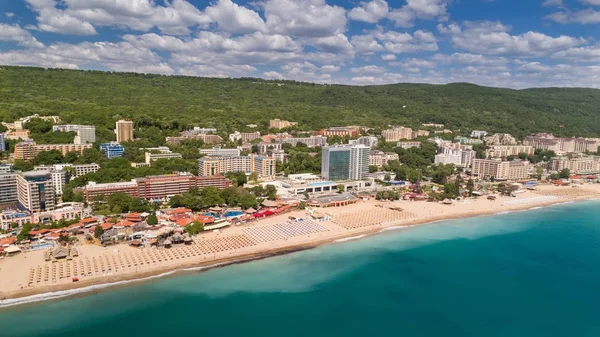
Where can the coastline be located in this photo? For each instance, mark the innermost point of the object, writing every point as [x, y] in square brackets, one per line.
[55, 291]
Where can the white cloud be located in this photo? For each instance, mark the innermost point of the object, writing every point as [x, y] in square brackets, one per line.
[370, 69]
[403, 17]
[388, 57]
[53, 20]
[472, 59]
[591, 2]
[370, 12]
[413, 63]
[329, 68]
[385, 78]
[553, 3]
[333, 44]
[586, 16]
[581, 54]
[305, 18]
[493, 38]
[19, 35]
[366, 44]
[428, 8]
[273, 75]
[9, 14]
[396, 43]
[234, 18]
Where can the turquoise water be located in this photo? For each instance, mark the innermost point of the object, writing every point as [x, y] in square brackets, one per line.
[532, 273]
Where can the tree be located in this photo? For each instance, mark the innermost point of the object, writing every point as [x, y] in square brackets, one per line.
[564, 173]
[539, 171]
[253, 176]
[71, 157]
[21, 165]
[373, 168]
[470, 186]
[271, 191]
[152, 219]
[340, 188]
[194, 228]
[387, 177]
[48, 158]
[98, 231]
[302, 205]
[255, 149]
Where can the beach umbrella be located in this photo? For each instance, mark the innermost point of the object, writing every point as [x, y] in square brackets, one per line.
[250, 210]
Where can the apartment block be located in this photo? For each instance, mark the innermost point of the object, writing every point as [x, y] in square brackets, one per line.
[396, 134]
[124, 130]
[408, 145]
[503, 151]
[370, 141]
[280, 124]
[206, 138]
[35, 190]
[8, 188]
[220, 152]
[340, 131]
[85, 133]
[500, 139]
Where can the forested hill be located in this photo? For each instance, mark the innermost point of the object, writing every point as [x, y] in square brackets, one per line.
[175, 102]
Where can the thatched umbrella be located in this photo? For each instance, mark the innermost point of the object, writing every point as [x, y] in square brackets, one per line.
[60, 253]
[216, 209]
[250, 211]
[269, 203]
[167, 243]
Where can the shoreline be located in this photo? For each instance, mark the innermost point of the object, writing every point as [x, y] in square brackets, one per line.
[53, 292]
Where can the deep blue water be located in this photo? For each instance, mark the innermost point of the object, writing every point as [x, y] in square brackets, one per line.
[533, 273]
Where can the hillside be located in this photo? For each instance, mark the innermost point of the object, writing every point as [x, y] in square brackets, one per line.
[175, 102]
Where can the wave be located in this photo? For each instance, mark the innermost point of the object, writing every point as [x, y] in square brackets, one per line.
[391, 228]
[64, 293]
[350, 238]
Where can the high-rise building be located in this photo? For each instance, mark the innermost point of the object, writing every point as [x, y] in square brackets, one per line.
[500, 170]
[124, 130]
[370, 141]
[2, 142]
[343, 162]
[112, 150]
[8, 188]
[59, 177]
[35, 191]
[455, 155]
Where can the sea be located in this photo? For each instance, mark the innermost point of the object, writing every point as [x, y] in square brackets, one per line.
[529, 273]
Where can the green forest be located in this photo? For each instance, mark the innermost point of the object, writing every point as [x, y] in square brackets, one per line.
[163, 105]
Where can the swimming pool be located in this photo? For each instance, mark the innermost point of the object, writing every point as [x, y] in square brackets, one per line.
[228, 214]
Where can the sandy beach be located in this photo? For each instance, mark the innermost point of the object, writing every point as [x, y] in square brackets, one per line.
[28, 274]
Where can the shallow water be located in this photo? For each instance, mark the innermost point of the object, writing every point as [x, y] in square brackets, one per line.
[531, 273]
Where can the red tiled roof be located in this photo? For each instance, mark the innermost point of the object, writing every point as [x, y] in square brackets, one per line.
[184, 222]
[8, 241]
[180, 210]
[106, 225]
[124, 223]
[88, 220]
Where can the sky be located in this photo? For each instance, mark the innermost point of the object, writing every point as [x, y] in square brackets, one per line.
[501, 43]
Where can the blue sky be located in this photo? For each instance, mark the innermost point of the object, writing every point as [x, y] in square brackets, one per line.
[504, 43]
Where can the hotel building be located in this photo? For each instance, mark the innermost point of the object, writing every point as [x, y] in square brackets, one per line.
[155, 187]
[245, 137]
[503, 151]
[206, 138]
[279, 124]
[210, 166]
[85, 133]
[35, 191]
[58, 176]
[380, 158]
[408, 145]
[28, 150]
[547, 141]
[399, 133]
[456, 156]
[581, 165]
[343, 162]
[370, 141]
[312, 141]
[220, 152]
[112, 150]
[152, 157]
[124, 130]
[340, 131]
[8, 189]
[500, 139]
[500, 170]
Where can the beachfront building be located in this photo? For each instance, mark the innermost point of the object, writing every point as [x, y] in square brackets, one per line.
[380, 158]
[84, 133]
[35, 191]
[29, 149]
[500, 139]
[155, 187]
[124, 130]
[342, 162]
[340, 131]
[220, 152]
[211, 166]
[408, 145]
[150, 157]
[579, 165]
[112, 150]
[312, 141]
[503, 151]
[500, 170]
[280, 124]
[245, 137]
[547, 141]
